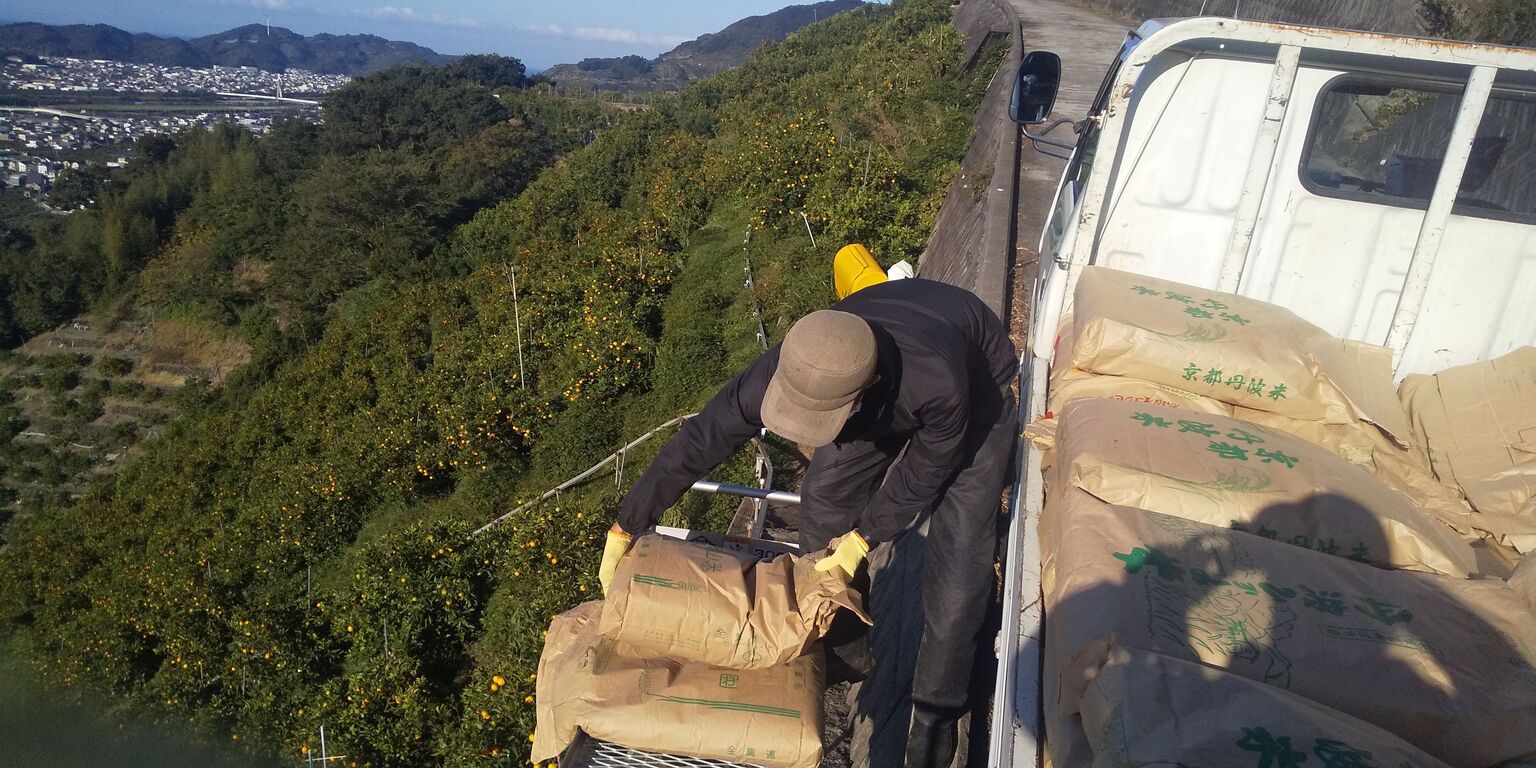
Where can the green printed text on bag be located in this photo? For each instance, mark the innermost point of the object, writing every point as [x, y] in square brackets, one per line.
[1448, 665]
[1232, 348]
[1228, 472]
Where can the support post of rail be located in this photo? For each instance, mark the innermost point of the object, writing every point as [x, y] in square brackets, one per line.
[1474, 99]
[1246, 220]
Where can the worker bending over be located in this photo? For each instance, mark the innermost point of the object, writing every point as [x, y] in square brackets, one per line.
[908, 364]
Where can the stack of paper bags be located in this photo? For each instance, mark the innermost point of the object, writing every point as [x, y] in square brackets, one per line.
[1142, 709]
[697, 651]
[1238, 474]
[1478, 423]
[769, 717]
[1448, 665]
[1261, 363]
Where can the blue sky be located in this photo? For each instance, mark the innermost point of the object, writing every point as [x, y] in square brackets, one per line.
[540, 33]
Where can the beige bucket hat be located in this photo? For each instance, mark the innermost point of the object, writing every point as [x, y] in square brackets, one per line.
[826, 360]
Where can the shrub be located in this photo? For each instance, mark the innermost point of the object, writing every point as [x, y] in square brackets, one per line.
[57, 380]
[115, 366]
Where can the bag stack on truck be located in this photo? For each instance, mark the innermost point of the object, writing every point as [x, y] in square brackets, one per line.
[1478, 424]
[697, 651]
[1254, 554]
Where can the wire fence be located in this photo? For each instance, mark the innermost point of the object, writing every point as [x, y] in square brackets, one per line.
[616, 456]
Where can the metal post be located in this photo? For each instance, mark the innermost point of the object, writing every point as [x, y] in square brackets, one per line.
[1416, 285]
[1019, 658]
[764, 481]
[517, 328]
[808, 231]
[1246, 221]
[757, 310]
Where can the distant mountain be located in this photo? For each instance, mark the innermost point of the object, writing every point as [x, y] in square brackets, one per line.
[98, 41]
[332, 54]
[250, 45]
[699, 58]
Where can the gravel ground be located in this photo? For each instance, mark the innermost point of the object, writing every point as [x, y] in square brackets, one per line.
[835, 733]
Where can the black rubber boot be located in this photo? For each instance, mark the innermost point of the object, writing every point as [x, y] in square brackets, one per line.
[839, 671]
[849, 658]
[849, 661]
[931, 742]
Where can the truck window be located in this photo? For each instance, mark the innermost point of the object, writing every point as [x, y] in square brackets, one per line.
[1384, 144]
[1500, 181]
[1378, 143]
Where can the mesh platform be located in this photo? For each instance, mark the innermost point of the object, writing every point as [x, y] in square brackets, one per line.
[587, 752]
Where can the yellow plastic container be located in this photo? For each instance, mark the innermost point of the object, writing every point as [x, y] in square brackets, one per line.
[853, 268]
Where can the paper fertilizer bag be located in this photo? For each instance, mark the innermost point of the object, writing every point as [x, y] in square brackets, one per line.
[1523, 581]
[1069, 384]
[693, 602]
[1445, 664]
[1238, 350]
[1237, 474]
[1144, 709]
[768, 717]
[1405, 468]
[1478, 423]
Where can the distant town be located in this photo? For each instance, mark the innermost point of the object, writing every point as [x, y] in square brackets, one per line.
[62, 74]
[119, 102]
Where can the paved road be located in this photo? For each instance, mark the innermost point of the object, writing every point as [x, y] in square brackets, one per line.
[1087, 44]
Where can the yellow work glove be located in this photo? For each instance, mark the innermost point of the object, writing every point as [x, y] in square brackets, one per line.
[848, 550]
[613, 551]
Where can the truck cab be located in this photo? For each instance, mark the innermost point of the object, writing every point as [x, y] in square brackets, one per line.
[1381, 187]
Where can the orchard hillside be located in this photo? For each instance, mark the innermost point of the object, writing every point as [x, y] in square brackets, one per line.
[294, 551]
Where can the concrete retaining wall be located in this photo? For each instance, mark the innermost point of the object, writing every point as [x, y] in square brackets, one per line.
[971, 242]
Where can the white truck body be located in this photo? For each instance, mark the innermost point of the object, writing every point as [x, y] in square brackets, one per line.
[1381, 187]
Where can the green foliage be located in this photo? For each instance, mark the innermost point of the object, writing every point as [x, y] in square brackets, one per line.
[487, 70]
[66, 264]
[57, 381]
[419, 108]
[115, 366]
[77, 188]
[1507, 22]
[215, 223]
[247, 571]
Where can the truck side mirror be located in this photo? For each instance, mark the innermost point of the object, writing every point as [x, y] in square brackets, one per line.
[1034, 91]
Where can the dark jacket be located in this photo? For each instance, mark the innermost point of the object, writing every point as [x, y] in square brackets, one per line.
[941, 352]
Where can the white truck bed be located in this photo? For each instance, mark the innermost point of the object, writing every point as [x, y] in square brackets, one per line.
[1207, 161]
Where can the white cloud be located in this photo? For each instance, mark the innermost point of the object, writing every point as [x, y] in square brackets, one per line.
[260, 5]
[605, 34]
[411, 15]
